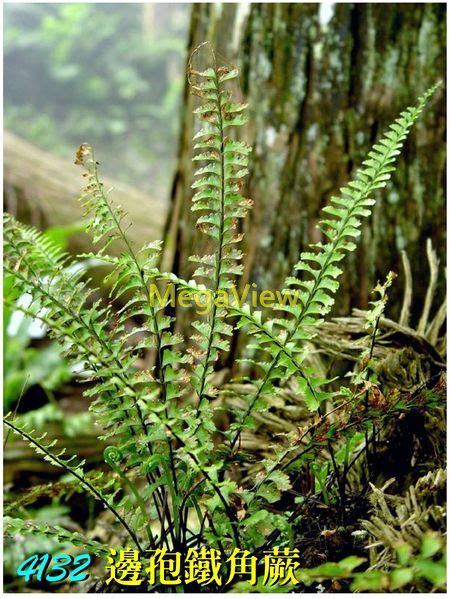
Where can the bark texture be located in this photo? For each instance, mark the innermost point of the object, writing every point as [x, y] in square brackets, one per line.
[322, 83]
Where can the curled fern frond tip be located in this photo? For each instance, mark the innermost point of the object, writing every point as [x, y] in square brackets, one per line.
[112, 455]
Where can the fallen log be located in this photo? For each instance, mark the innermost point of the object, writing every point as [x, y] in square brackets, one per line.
[42, 189]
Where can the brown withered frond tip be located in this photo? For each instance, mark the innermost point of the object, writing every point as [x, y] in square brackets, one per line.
[81, 153]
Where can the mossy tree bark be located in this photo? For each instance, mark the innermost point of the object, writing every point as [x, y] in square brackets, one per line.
[322, 83]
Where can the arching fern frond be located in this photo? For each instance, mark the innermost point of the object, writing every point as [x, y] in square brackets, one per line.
[316, 279]
[61, 300]
[74, 467]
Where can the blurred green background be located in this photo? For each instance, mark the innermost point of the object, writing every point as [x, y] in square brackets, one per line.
[110, 74]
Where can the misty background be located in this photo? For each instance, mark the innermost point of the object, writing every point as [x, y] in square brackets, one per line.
[107, 74]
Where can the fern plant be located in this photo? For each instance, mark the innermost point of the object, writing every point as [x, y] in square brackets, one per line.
[166, 480]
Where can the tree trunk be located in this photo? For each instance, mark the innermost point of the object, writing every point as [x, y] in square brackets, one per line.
[322, 83]
[43, 189]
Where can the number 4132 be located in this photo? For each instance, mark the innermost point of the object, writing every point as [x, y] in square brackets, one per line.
[44, 566]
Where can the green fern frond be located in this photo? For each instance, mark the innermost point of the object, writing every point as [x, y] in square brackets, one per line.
[317, 275]
[60, 300]
[65, 487]
[73, 467]
[221, 204]
[132, 274]
[17, 526]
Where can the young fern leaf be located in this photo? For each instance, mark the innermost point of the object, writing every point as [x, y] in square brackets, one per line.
[317, 275]
[218, 184]
[372, 318]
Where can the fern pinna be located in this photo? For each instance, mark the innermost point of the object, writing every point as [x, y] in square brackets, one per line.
[169, 483]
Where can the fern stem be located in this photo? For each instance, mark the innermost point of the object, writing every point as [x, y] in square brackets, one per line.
[217, 490]
[367, 376]
[138, 497]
